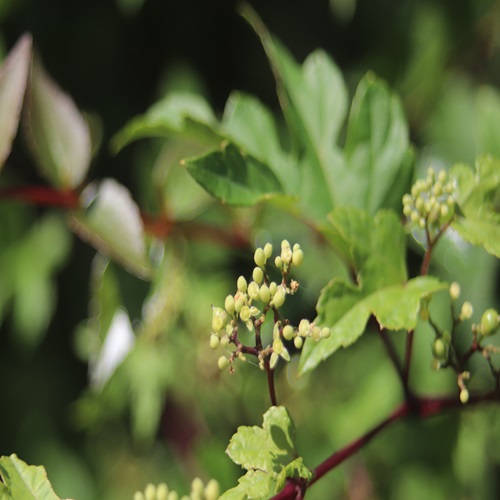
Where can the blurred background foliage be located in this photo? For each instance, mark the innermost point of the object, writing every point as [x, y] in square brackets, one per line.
[105, 429]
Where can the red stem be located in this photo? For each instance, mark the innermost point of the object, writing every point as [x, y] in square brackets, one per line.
[42, 195]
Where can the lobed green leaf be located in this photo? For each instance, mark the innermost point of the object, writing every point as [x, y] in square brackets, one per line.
[234, 177]
[345, 309]
[23, 481]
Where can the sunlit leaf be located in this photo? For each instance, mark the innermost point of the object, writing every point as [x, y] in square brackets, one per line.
[376, 148]
[233, 177]
[345, 309]
[178, 114]
[22, 481]
[478, 222]
[268, 453]
[13, 78]
[56, 131]
[112, 223]
[248, 123]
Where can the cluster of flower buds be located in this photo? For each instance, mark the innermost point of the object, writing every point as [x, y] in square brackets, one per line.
[431, 202]
[199, 491]
[251, 302]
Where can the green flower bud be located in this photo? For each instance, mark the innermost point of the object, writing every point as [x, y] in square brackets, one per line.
[241, 284]
[139, 495]
[464, 396]
[304, 326]
[278, 262]
[285, 354]
[407, 210]
[490, 321]
[173, 495]
[224, 340]
[150, 492]
[265, 294]
[214, 341]
[197, 487]
[286, 255]
[245, 313]
[219, 319]
[239, 302]
[325, 332]
[419, 204]
[316, 333]
[298, 341]
[439, 349]
[212, 490]
[278, 346]
[268, 250]
[259, 257]
[254, 311]
[229, 304]
[276, 330]
[162, 492]
[297, 257]
[407, 200]
[258, 275]
[467, 311]
[288, 332]
[454, 290]
[253, 290]
[279, 297]
[222, 362]
[272, 288]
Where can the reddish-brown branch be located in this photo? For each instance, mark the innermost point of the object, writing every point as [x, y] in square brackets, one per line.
[42, 195]
[422, 407]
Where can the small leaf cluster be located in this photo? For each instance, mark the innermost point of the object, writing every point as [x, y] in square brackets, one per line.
[431, 203]
[444, 350]
[250, 305]
[199, 491]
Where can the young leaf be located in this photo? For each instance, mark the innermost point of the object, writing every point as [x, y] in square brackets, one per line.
[184, 114]
[250, 125]
[234, 177]
[479, 203]
[56, 131]
[345, 309]
[377, 147]
[13, 78]
[23, 481]
[268, 453]
[112, 223]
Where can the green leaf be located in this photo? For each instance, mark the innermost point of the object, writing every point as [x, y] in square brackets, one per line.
[23, 482]
[372, 248]
[345, 309]
[13, 79]
[254, 484]
[250, 125]
[269, 455]
[57, 133]
[112, 223]
[376, 149]
[179, 113]
[478, 221]
[233, 177]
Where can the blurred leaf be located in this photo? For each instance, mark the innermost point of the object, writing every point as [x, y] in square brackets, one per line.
[294, 469]
[22, 481]
[268, 453]
[345, 309]
[314, 101]
[32, 263]
[373, 248]
[180, 113]
[487, 121]
[248, 123]
[479, 202]
[254, 484]
[56, 131]
[234, 177]
[13, 78]
[112, 223]
[376, 148]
